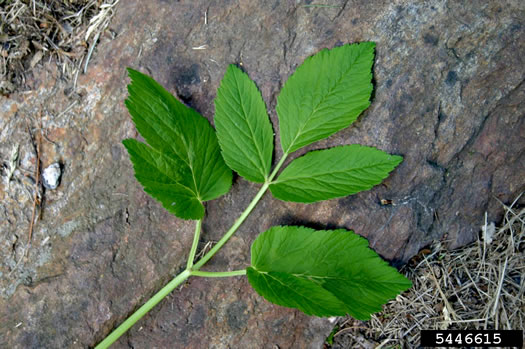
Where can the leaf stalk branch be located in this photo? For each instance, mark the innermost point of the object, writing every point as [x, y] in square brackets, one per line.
[233, 229]
[241, 218]
[195, 244]
[218, 274]
[277, 167]
[193, 269]
[137, 315]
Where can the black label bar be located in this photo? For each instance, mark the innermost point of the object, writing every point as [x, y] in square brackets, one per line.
[472, 338]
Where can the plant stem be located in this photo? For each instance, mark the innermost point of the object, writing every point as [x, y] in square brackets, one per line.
[218, 274]
[241, 218]
[193, 269]
[277, 167]
[233, 229]
[194, 245]
[137, 315]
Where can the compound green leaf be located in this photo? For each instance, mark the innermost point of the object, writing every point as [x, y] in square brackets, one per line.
[243, 127]
[331, 173]
[182, 167]
[322, 272]
[325, 94]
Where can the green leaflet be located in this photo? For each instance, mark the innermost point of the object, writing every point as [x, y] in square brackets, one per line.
[158, 174]
[243, 127]
[331, 173]
[325, 94]
[182, 167]
[322, 272]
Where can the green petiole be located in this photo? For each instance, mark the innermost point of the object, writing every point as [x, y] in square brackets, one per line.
[233, 229]
[192, 269]
[218, 274]
[242, 217]
[194, 245]
[143, 310]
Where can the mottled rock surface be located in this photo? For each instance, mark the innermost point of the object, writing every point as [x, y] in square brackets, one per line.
[449, 97]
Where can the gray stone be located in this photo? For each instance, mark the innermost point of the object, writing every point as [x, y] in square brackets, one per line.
[51, 176]
[449, 96]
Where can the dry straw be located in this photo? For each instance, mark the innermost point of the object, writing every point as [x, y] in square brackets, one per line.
[480, 286]
[32, 31]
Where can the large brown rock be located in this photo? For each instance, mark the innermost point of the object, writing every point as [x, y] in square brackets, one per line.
[449, 96]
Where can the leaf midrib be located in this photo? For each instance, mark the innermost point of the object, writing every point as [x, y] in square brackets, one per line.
[261, 157]
[168, 175]
[307, 276]
[311, 300]
[168, 126]
[325, 173]
[332, 89]
[186, 149]
[246, 155]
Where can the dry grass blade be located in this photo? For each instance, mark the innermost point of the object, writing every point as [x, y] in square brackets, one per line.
[33, 30]
[37, 143]
[480, 286]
